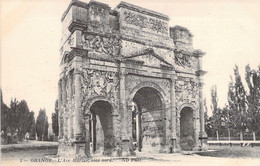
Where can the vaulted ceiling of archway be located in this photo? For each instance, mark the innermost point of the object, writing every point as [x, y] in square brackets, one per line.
[148, 98]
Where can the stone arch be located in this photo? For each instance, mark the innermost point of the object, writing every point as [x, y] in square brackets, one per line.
[91, 101]
[133, 91]
[185, 105]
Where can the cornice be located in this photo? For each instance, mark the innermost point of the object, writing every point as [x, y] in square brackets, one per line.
[143, 10]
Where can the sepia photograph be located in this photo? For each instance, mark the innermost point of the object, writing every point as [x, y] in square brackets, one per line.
[131, 82]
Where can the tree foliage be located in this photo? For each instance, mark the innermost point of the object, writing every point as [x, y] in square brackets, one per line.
[253, 98]
[208, 121]
[237, 102]
[54, 118]
[17, 117]
[242, 113]
[42, 125]
[217, 117]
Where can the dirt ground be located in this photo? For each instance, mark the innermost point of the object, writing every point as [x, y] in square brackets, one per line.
[236, 155]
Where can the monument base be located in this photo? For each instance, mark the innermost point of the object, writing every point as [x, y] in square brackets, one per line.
[71, 148]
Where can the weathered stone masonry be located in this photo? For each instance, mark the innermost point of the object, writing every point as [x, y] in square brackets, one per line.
[128, 82]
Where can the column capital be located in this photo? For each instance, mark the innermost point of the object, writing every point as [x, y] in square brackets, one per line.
[200, 73]
[87, 116]
[78, 70]
[201, 84]
[123, 73]
[173, 78]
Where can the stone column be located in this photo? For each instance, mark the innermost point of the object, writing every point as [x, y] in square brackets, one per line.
[173, 117]
[77, 111]
[65, 116]
[71, 126]
[87, 136]
[124, 121]
[202, 133]
[60, 110]
[70, 108]
[79, 142]
[201, 108]
[93, 134]
[64, 103]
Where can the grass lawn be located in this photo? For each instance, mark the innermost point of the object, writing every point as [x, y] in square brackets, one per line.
[235, 151]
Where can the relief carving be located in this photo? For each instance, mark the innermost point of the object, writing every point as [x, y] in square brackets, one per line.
[109, 44]
[144, 22]
[187, 91]
[97, 11]
[99, 83]
[184, 60]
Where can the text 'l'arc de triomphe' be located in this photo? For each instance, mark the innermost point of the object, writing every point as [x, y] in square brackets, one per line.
[128, 83]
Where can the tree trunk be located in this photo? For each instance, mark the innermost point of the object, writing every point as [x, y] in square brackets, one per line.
[217, 135]
[254, 136]
[241, 135]
[228, 134]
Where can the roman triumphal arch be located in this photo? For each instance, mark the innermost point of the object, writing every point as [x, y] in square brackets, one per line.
[128, 83]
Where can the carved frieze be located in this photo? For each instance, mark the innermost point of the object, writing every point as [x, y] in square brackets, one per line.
[186, 92]
[144, 22]
[109, 44]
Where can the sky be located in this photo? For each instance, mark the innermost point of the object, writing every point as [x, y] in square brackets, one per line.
[228, 31]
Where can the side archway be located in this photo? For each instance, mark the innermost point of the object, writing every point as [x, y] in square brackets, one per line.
[100, 129]
[187, 129]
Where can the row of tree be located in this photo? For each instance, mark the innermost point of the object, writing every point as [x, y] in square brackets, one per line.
[18, 118]
[242, 113]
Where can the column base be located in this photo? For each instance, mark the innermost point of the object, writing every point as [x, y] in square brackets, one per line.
[127, 149]
[72, 149]
[203, 145]
[175, 148]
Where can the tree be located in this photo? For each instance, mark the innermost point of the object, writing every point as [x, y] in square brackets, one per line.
[20, 118]
[208, 121]
[253, 99]
[32, 128]
[54, 118]
[42, 125]
[237, 103]
[227, 119]
[217, 119]
[17, 117]
[24, 121]
[4, 114]
[13, 118]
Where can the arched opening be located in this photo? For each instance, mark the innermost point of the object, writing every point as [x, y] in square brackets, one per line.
[101, 128]
[148, 122]
[187, 140]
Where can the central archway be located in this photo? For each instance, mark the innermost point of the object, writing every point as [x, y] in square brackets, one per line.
[148, 122]
[101, 127]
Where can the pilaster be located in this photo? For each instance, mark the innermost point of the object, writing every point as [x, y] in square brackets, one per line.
[125, 135]
[77, 111]
[202, 134]
[173, 140]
